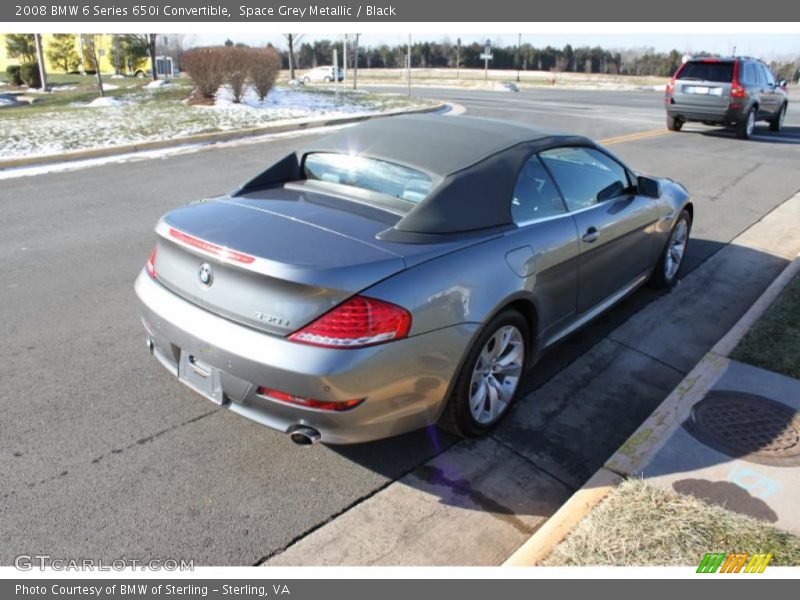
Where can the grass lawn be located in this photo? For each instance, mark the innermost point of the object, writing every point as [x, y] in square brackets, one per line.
[639, 524]
[774, 342]
[64, 120]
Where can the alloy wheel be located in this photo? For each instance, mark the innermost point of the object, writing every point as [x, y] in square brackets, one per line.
[751, 122]
[496, 375]
[676, 249]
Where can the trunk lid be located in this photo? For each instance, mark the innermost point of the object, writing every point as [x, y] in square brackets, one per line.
[280, 258]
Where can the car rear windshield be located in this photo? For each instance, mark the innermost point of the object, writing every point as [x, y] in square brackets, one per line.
[721, 72]
[369, 174]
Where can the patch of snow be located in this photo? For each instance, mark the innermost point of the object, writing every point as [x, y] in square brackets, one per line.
[283, 103]
[162, 153]
[143, 119]
[117, 77]
[106, 101]
[158, 83]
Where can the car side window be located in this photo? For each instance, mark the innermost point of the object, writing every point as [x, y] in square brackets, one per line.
[535, 194]
[751, 74]
[768, 75]
[586, 176]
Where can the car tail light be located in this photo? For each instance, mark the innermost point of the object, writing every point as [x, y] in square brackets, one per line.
[670, 86]
[308, 402]
[150, 265]
[737, 90]
[360, 321]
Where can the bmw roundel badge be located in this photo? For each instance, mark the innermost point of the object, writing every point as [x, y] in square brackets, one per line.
[205, 275]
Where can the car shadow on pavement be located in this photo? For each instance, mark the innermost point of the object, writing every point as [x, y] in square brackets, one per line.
[790, 134]
[585, 396]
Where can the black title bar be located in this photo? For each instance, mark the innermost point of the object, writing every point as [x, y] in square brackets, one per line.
[265, 11]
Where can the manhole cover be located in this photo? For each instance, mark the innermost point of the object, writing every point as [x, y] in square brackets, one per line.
[747, 426]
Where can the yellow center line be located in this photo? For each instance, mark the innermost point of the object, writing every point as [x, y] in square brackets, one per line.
[631, 137]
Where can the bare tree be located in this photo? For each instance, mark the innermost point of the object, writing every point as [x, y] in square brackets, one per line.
[292, 39]
[90, 48]
[151, 44]
[40, 56]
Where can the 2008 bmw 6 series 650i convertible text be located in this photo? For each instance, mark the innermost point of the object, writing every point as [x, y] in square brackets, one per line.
[401, 273]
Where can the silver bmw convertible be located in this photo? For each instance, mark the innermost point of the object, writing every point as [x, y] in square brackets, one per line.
[402, 273]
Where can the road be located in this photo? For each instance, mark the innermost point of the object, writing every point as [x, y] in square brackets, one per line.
[104, 454]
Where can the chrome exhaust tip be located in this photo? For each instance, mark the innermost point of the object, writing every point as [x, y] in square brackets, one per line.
[304, 436]
[151, 345]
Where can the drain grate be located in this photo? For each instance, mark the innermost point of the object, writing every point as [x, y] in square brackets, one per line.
[747, 426]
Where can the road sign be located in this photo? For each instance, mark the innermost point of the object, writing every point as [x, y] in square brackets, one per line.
[487, 56]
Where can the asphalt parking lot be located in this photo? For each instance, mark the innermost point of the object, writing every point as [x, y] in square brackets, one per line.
[104, 454]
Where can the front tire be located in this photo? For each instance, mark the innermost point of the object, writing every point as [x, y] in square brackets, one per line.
[665, 274]
[776, 124]
[489, 380]
[674, 123]
[744, 128]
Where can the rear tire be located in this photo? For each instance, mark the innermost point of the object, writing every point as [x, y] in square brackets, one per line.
[674, 123]
[665, 274]
[744, 128]
[489, 381]
[776, 124]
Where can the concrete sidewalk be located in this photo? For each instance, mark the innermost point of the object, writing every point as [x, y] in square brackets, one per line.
[729, 435]
[739, 447]
[478, 501]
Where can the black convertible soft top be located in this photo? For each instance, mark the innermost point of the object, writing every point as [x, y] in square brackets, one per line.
[474, 162]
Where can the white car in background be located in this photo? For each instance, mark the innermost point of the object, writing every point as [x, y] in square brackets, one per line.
[325, 74]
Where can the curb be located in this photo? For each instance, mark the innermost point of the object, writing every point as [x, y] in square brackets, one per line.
[205, 138]
[556, 528]
[650, 437]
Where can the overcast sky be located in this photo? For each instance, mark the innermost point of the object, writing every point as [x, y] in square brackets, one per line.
[762, 46]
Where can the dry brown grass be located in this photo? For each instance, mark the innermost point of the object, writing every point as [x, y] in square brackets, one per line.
[640, 524]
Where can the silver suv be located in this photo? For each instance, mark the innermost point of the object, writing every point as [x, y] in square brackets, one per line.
[734, 91]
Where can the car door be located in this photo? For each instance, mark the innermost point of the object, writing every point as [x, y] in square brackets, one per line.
[544, 248]
[772, 98]
[615, 226]
[757, 86]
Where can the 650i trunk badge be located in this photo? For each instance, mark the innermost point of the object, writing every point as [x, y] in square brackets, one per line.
[205, 275]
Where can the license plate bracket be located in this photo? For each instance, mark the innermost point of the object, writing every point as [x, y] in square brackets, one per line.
[201, 377]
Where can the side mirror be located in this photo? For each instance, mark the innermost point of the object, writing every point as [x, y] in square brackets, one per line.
[782, 84]
[648, 187]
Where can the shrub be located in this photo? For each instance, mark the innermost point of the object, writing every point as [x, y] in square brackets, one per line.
[265, 64]
[237, 67]
[13, 73]
[207, 68]
[29, 73]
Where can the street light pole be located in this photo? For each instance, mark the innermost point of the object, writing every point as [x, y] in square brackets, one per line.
[344, 61]
[458, 56]
[519, 48]
[355, 62]
[408, 62]
[486, 49]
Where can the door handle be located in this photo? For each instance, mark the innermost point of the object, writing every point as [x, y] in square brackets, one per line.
[591, 235]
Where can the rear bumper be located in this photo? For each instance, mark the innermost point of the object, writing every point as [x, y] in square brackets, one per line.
[709, 115]
[404, 383]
